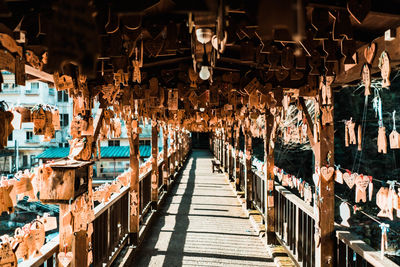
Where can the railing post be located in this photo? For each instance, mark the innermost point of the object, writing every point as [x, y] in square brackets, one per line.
[217, 145]
[323, 148]
[237, 159]
[226, 152]
[248, 173]
[229, 148]
[269, 163]
[165, 157]
[173, 146]
[134, 198]
[223, 149]
[180, 142]
[324, 156]
[154, 163]
[178, 145]
[215, 142]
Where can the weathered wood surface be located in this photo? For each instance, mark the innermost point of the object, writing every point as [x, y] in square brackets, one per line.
[269, 177]
[134, 185]
[324, 156]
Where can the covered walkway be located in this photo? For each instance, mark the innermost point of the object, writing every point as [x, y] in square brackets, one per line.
[202, 224]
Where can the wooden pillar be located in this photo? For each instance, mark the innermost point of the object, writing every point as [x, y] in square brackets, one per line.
[154, 163]
[324, 156]
[216, 145]
[221, 147]
[323, 150]
[229, 148]
[165, 157]
[215, 142]
[71, 240]
[237, 158]
[175, 149]
[180, 147]
[225, 151]
[134, 155]
[173, 154]
[248, 173]
[269, 139]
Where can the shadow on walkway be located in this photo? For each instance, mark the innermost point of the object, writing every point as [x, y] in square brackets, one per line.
[201, 225]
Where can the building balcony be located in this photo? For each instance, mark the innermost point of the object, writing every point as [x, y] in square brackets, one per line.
[32, 92]
[34, 140]
[15, 91]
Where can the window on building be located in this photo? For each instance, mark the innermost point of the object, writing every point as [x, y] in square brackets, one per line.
[144, 142]
[51, 91]
[64, 119]
[29, 136]
[113, 143]
[62, 96]
[9, 86]
[24, 160]
[34, 86]
[63, 144]
[10, 137]
[32, 159]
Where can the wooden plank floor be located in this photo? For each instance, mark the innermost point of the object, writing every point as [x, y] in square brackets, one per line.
[202, 224]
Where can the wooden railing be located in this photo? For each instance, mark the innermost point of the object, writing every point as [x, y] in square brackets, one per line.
[111, 223]
[258, 191]
[294, 226]
[355, 252]
[295, 222]
[110, 228]
[144, 193]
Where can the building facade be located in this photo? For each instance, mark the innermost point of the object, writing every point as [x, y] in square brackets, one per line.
[23, 146]
[25, 150]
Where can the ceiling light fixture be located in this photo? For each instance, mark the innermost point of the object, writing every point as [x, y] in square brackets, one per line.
[203, 35]
[205, 66]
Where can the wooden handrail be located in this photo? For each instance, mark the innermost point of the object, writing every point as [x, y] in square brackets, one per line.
[102, 207]
[52, 246]
[143, 175]
[368, 253]
[296, 200]
[364, 250]
[47, 251]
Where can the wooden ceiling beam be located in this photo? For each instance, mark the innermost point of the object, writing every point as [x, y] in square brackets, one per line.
[41, 75]
[241, 62]
[166, 62]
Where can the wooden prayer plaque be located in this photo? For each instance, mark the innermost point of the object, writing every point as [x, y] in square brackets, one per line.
[384, 202]
[173, 98]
